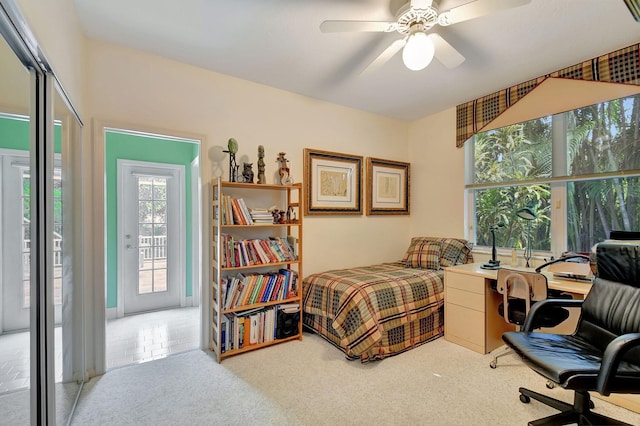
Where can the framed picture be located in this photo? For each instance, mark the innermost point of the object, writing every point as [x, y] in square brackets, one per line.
[332, 183]
[387, 187]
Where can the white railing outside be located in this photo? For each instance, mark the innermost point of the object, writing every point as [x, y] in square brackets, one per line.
[150, 248]
[153, 247]
[57, 253]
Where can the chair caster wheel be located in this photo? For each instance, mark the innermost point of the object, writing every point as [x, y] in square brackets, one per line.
[492, 364]
[550, 385]
[525, 399]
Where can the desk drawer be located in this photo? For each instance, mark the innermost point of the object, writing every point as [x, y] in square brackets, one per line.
[464, 324]
[464, 282]
[465, 298]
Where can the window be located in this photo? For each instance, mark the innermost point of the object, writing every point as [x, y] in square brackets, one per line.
[584, 163]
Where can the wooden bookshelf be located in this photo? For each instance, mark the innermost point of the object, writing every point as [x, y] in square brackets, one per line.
[228, 340]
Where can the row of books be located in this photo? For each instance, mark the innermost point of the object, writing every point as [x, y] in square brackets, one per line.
[234, 211]
[243, 290]
[237, 253]
[239, 330]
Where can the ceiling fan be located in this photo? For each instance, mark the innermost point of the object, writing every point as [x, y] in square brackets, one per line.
[413, 21]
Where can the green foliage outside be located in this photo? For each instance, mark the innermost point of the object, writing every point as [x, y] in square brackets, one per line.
[511, 154]
[601, 138]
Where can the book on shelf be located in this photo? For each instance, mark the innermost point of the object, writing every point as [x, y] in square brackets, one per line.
[291, 282]
[238, 252]
[264, 257]
[238, 218]
[246, 216]
[223, 334]
[255, 329]
[257, 286]
[244, 290]
[234, 211]
[293, 243]
[261, 216]
[253, 326]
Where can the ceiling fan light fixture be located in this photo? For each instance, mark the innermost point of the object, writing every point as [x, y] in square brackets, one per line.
[418, 52]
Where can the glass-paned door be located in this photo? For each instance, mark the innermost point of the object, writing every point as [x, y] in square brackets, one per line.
[151, 233]
[16, 189]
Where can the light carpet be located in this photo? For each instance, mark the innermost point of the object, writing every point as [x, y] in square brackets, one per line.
[309, 382]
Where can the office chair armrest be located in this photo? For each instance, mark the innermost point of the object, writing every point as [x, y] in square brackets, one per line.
[614, 353]
[565, 303]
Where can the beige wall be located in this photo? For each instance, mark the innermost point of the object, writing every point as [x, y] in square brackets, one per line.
[150, 92]
[113, 84]
[437, 191]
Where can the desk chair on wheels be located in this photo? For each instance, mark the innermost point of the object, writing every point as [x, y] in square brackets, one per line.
[603, 354]
[520, 291]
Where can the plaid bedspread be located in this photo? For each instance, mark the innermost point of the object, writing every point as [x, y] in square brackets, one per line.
[365, 302]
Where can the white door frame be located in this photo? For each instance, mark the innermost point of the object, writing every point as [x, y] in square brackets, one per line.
[18, 159]
[196, 234]
[179, 245]
[95, 295]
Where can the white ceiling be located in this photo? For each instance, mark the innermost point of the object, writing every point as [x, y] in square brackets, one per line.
[278, 43]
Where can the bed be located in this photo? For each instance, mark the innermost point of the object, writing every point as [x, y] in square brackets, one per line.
[376, 311]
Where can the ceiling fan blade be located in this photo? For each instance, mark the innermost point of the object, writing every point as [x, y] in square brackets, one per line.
[476, 9]
[387, 54]
[357, 26]
[634, 8]
[444, 52]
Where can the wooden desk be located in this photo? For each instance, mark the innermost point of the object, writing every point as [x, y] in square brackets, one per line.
[471, 316]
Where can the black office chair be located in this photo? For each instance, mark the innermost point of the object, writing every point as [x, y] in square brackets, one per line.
[603, 354]
[520, 291]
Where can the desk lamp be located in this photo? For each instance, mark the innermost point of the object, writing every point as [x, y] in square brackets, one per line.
[527, 214]
[493, 263]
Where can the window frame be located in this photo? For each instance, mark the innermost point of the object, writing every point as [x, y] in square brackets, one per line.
[558, 181]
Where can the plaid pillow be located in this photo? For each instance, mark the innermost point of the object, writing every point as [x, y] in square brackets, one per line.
[454, 251]
[425, 255]
[412, 246]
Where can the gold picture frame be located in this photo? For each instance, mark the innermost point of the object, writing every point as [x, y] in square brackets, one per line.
[388, 190]
[332, 183]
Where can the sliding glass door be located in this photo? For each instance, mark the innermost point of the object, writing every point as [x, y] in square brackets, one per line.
[41, 277]
[15, 256]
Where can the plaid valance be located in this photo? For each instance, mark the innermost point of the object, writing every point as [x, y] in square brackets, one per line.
[621, 66]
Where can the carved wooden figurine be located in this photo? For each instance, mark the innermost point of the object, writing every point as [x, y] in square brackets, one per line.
[285, 175]
[261, 178]
[247, 172]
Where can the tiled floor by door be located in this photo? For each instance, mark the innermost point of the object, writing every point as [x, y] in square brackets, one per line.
[153, 335]
[132, 339]
[14, 360]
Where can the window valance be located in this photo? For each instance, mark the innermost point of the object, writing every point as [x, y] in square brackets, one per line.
[621, 66]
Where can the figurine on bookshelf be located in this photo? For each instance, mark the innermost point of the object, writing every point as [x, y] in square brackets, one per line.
[291, 215]
[261, 178]
[247, 172]
[284, 172]
[279, 216]
[232, 149]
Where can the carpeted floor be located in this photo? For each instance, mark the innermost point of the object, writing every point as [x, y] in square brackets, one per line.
[309, 382]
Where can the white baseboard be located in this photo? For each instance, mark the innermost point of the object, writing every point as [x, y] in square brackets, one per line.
[111, 313]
